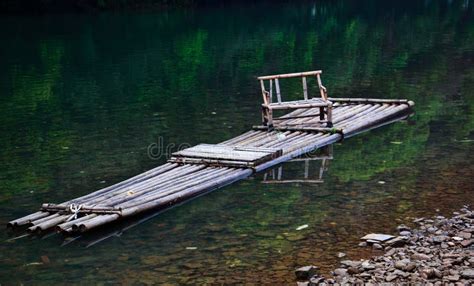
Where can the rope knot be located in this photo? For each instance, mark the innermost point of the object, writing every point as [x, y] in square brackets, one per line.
[74, 209]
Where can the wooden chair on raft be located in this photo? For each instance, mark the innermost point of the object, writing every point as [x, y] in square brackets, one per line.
[321, 101]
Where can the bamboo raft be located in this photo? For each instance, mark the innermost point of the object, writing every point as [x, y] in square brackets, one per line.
[205, 167]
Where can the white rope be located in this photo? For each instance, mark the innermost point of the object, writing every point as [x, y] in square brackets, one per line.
[75, 211]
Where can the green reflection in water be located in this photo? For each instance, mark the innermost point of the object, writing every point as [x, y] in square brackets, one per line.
[83, 96]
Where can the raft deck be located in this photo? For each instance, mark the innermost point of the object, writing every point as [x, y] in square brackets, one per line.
[204, 168]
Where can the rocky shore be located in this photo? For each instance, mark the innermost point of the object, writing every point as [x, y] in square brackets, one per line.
[438, 251]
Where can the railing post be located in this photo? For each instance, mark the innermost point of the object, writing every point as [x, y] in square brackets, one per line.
[305, 88]
[321, 87]
[271, 91]
[329, 114]
[277, 86]
[264, 92]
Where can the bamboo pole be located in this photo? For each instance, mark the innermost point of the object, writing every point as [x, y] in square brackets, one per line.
[171, 185]
[305, 88]
[368, 100]
[48, 223]
[289, 75]
[240, 137]
[64, 227]
[170, 176]
[27, 219]
[277, 87]
[160, 193]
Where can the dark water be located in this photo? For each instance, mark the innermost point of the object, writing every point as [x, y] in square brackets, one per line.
[83, 96]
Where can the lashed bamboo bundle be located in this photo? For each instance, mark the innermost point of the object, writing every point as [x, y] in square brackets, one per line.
[295, 133]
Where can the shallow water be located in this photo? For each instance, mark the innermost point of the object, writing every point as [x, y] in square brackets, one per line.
[84, 97]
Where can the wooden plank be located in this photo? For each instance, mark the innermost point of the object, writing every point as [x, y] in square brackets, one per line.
[368, 100]
[207, 161]
[208, 153]
[203, 150]
[300, 128]
[234, 155]
[292, 181]
[260, 149]
[295, 106]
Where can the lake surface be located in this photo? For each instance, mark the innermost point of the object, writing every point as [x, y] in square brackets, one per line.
[83, 97]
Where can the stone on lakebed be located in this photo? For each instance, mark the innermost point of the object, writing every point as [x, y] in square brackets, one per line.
[305, 272]
[377, 237]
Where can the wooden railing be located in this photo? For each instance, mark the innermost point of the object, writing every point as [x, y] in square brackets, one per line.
[268, 106]
[268, 95]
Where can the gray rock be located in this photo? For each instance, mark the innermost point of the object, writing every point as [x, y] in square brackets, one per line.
[405, 233]
[340, 272]
[420, 256]
[305, 272]
[350, 263]
[353, 270]
[403, 227]
[377, 246]
[315, 280]
[428, 273]
[439, 239]
[367, 266]
[341, 255]
[400, 265]
[465, 235]
[453, 278]
[467, 273]
[398, 241]
[437, 273]
[391, 277]
[363, 244]
[377, 237]
[410, 267]
[466, 243]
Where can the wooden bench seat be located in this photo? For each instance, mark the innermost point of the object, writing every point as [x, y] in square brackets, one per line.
[321, 102]
[313, 102]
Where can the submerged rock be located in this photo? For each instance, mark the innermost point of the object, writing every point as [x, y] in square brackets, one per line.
[305, 272]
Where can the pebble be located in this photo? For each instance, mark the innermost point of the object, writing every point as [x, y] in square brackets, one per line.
[350, 263]
[453, 278]
[341, 255]
[340, 272]
[305, 272]
[377, 246]
[400, 265]
[466, 243]
[403, 227]
[420, 256]
[468, 273]
[391, 277]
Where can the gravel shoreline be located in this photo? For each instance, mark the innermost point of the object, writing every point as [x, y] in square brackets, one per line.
[439, 251]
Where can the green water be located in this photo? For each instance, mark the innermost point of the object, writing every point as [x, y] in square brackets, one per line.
[82, 97]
